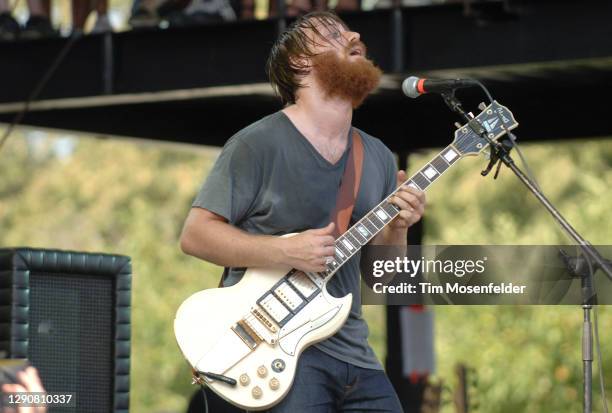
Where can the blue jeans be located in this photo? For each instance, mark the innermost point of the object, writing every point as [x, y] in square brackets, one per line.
[324, 384]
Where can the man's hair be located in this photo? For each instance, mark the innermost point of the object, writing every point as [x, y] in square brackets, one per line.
[285, 66]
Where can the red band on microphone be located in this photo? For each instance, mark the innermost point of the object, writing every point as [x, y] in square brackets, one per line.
[420, 87]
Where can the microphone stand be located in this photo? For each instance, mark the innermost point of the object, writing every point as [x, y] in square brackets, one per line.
[500, 152]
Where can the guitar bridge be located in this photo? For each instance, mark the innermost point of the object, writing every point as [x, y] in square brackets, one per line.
[247, 334]
[264, 320]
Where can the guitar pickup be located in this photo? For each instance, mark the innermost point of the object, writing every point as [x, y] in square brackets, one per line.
[275, 308]
[303, 284]
[288, 296]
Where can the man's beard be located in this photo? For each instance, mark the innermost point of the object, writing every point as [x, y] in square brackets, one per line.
[348, 79]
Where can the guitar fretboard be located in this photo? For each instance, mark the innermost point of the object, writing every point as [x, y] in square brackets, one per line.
[349, 243]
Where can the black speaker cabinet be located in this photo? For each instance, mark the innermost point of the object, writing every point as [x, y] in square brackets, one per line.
[69, 314]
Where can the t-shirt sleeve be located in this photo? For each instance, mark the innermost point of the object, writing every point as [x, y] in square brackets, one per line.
[231, 187]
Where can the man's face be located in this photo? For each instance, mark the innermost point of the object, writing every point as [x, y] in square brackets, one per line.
[340, 67]
[336, 37]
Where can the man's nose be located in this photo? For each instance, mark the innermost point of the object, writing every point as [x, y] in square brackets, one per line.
[352, 36]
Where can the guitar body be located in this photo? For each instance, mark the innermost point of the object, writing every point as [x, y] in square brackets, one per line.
[207, 333]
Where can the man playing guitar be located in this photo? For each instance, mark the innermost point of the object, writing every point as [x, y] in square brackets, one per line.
[281, 175]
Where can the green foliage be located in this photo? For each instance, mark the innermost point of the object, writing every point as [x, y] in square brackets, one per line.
[130, 197]
[527, 359]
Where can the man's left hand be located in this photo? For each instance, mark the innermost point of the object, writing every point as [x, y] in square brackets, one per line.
[411, 201]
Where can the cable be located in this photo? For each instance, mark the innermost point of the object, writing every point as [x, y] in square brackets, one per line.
[205, 399]
[40, 85]
[484, 89]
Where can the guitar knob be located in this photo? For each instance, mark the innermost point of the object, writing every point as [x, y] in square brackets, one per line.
[278, 365]
[262, 371]
[274, 383]
[244, 379]
[257, 392]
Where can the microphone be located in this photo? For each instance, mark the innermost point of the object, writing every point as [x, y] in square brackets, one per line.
[414, 87]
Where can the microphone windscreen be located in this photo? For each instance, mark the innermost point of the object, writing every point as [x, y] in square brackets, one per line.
[409, 87]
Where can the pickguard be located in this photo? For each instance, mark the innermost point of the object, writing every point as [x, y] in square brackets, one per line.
[316, 314]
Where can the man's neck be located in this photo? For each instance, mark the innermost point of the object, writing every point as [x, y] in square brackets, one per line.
[321, 119]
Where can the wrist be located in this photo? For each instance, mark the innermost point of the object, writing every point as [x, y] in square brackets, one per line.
[276, 249]
[396, 235]
[391, 236]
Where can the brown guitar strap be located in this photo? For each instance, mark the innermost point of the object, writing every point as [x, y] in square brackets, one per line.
[349, 187]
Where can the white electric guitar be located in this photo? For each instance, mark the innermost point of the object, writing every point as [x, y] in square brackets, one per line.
[244, 341]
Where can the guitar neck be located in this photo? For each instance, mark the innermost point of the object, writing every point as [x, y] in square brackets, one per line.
[349, 243]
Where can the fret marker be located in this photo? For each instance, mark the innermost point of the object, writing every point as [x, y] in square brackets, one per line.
[382, 215]
[450, 155]
[415, 186]
[330, 261]
[340, 254]
[348, 245]
[363, 231]
[430, 172]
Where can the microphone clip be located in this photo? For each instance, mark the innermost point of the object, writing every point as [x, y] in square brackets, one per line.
[452, 102]
[495, 158]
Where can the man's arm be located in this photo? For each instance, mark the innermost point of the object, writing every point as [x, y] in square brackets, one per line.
[209, 236]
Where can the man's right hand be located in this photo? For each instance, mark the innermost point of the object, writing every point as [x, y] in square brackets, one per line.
[209, 236]
[309, 250]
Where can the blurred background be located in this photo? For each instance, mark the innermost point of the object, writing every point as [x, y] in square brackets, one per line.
[112, 165]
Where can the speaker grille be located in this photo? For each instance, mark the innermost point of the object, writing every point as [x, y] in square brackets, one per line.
[71, 337]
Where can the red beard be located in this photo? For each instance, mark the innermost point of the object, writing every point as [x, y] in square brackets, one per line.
[346, 78]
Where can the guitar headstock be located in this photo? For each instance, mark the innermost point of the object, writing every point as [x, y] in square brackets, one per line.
[495, 119]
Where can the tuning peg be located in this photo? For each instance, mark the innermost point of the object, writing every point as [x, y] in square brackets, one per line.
[471, 115]
[482, 106]
[458, 125]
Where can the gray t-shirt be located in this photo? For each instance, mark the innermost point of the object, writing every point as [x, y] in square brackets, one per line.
[269, 179]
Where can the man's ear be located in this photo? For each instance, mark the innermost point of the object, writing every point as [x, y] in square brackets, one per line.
[300, 62]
